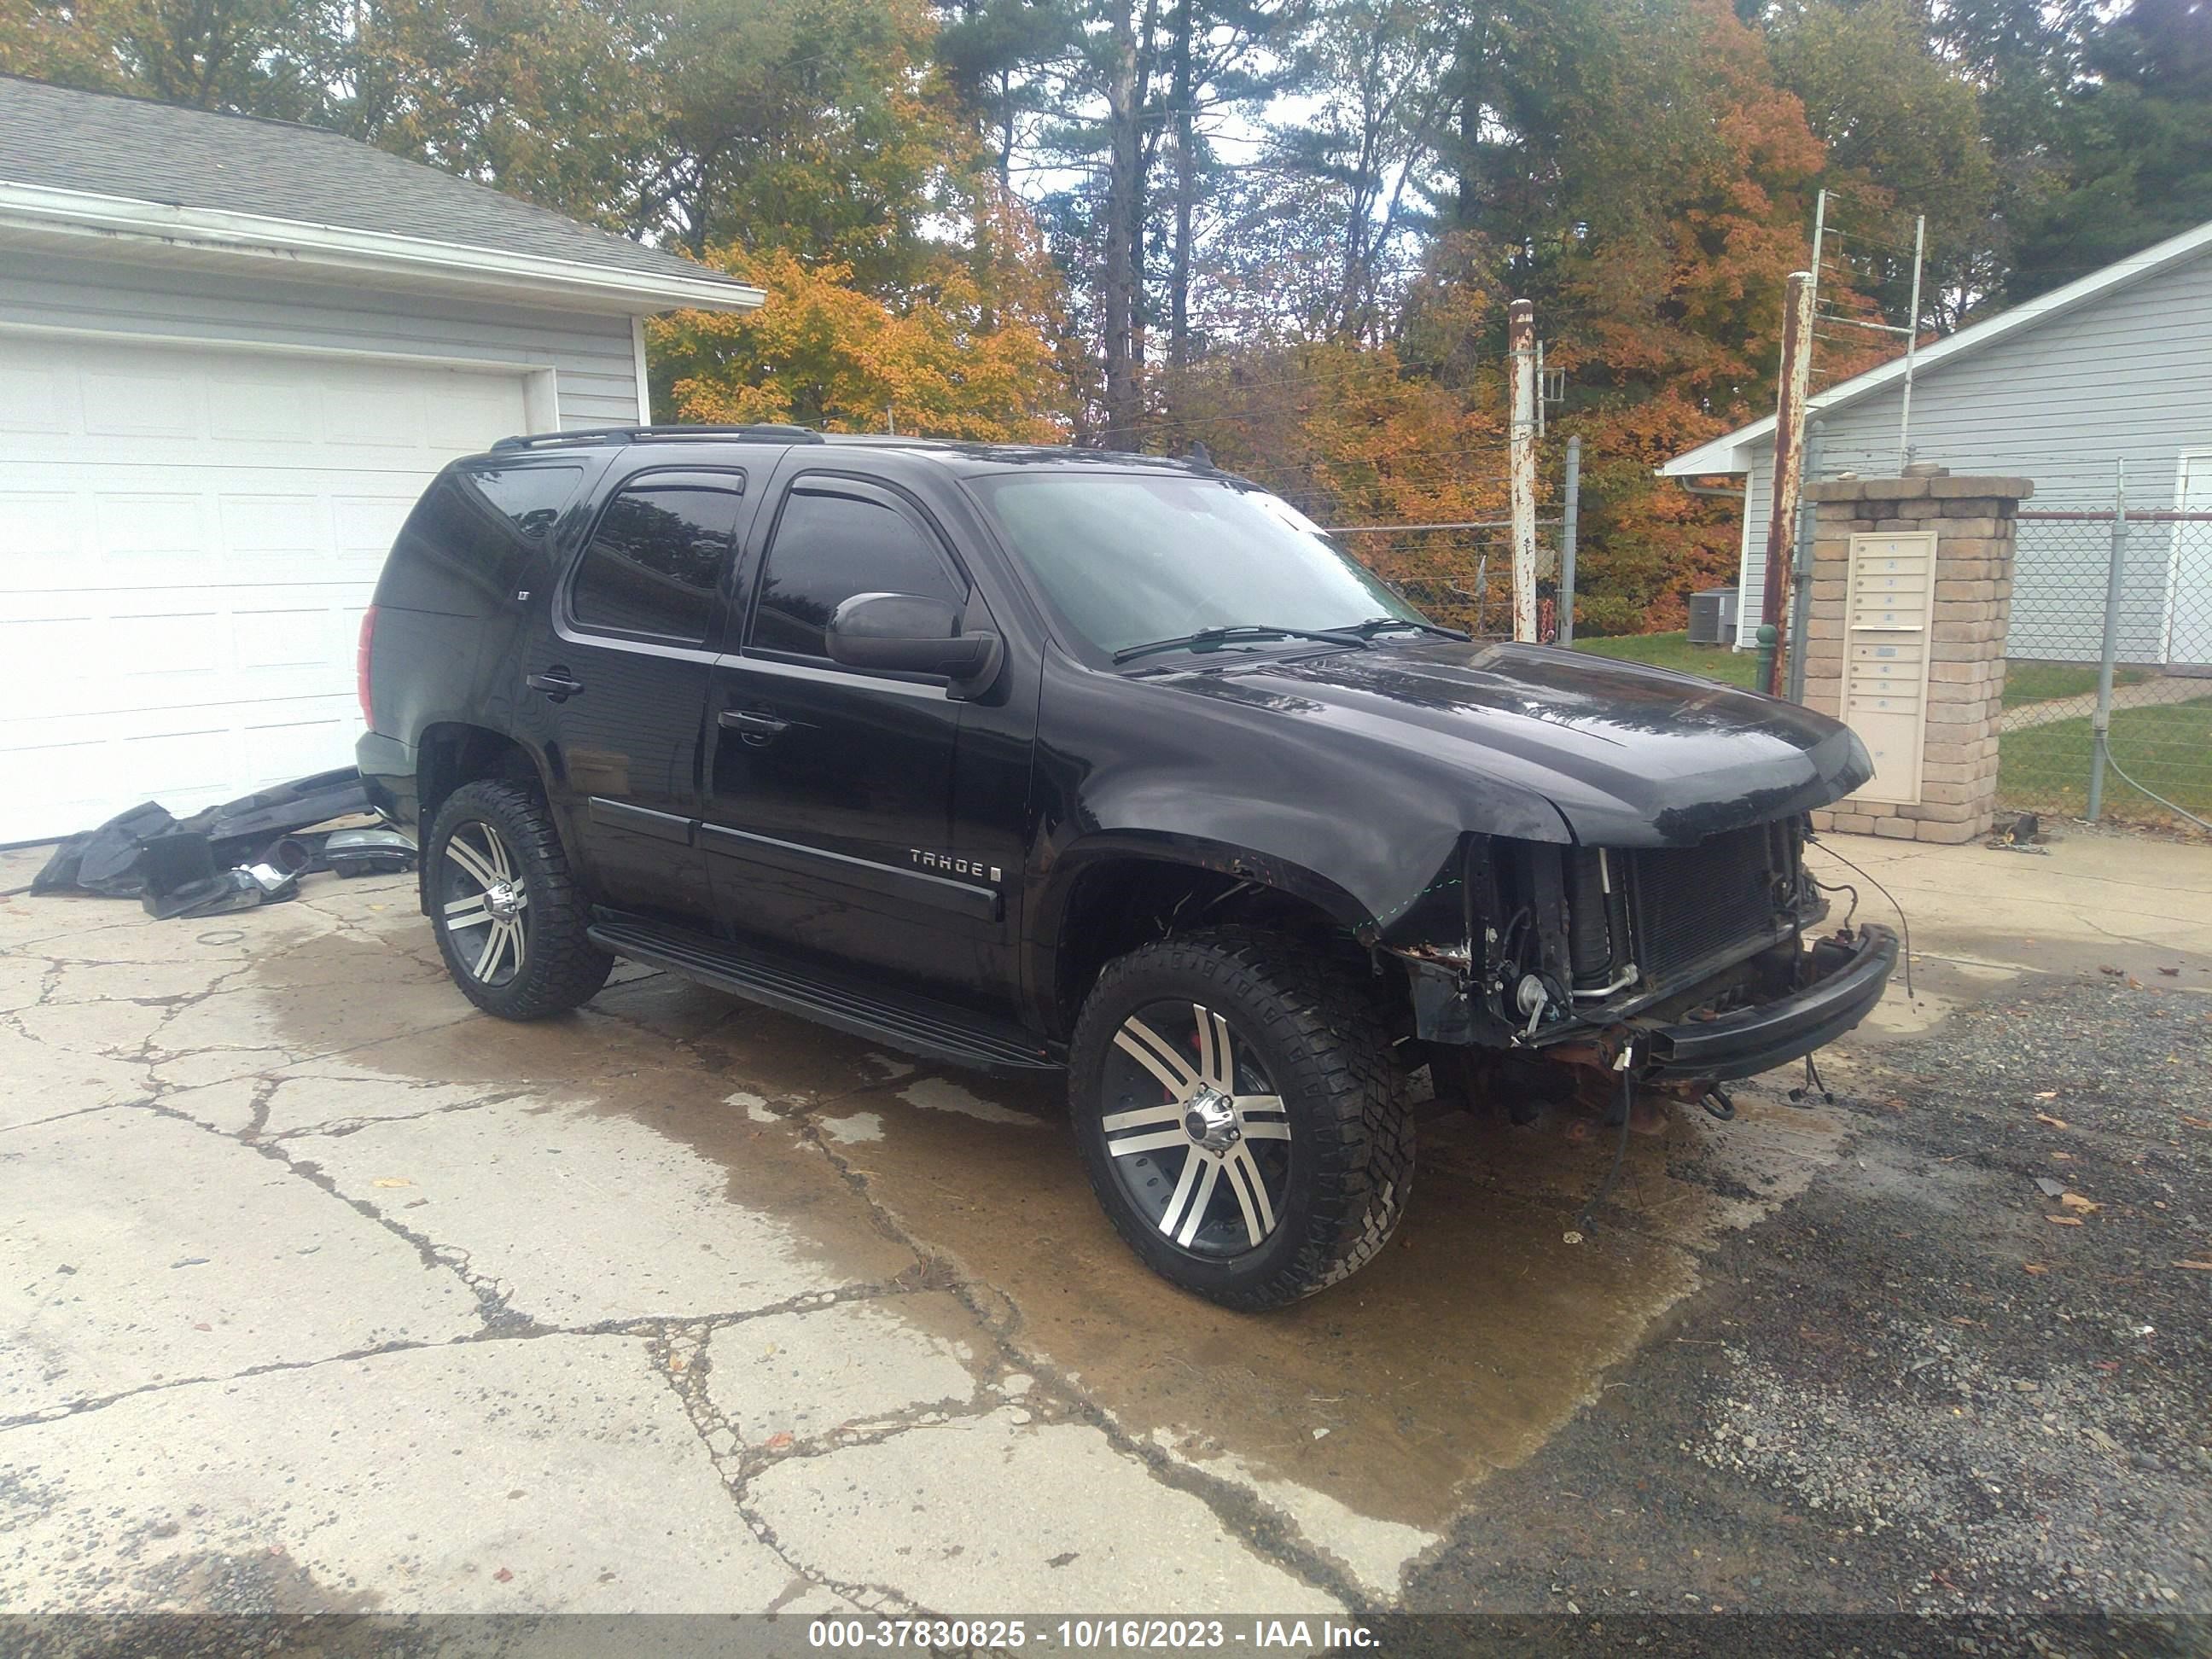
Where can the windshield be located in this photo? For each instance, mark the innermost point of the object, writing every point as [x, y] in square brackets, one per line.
[1128, 558]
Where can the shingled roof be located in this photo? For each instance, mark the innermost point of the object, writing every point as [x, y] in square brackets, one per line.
[106, 145]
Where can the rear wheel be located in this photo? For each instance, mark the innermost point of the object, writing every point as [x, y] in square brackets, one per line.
[1242, 1116]
[509, 918]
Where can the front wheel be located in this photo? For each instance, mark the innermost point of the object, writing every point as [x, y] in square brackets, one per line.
[509, 919]
[1242, 1116]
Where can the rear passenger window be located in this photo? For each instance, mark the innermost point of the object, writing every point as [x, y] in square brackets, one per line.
[829, 547]
[654, 561]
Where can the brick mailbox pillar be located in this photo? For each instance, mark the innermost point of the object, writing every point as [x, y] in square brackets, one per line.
[1906, 643]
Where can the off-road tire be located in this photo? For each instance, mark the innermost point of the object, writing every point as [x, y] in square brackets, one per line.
[561, 967]
[1319, 1030]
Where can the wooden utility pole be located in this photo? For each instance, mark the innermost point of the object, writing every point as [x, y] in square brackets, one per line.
[1788, 467]
[1521, 465]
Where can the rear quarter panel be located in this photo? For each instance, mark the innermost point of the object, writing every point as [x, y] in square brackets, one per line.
[461, 587]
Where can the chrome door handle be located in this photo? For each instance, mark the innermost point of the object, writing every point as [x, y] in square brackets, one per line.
[757, 725]
[556, 683]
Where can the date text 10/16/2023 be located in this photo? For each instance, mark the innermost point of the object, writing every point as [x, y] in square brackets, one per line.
[1125, 1635]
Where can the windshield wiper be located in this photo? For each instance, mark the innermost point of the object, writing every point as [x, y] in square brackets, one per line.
[1373, 625]
[1206, 638]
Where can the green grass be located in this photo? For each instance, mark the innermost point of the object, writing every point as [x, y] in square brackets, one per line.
[2045, 769]
[2040, 682]
[1714, 662]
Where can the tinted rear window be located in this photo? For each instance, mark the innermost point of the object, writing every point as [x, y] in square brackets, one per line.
[532, 497]
[476, 539]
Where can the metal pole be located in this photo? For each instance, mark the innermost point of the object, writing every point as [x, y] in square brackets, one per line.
[1521, 469]
[1789, 453]
[1570, 526]
[1912, 347]
[1819, 235]
[2101, 723]
[1801, 570]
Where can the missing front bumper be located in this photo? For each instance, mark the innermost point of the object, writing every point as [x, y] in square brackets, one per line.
[1786, 1028]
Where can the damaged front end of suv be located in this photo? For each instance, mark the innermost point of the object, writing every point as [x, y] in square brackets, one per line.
[1588, 871]
[1685, 967]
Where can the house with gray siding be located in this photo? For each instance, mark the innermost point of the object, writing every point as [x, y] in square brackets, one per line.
[2113, 369]
[232, 353]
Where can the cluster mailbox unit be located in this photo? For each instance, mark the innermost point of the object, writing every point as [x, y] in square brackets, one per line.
[1886, 613]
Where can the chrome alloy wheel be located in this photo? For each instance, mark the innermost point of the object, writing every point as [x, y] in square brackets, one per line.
[1200, 1139]
[480, 886]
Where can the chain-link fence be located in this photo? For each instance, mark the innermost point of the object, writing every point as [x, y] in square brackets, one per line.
[2108, 585]
[1461, 578]
[1460, 572]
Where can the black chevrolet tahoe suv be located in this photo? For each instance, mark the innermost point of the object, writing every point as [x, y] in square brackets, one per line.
[1055, 759]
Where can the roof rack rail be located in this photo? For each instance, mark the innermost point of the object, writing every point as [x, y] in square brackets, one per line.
[754, 432]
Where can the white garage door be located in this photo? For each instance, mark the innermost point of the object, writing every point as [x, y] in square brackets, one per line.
[188, 538]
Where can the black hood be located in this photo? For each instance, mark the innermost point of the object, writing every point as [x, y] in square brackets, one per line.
[1627, 754]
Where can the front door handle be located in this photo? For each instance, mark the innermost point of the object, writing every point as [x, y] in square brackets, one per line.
[757, 725]
[557, 683]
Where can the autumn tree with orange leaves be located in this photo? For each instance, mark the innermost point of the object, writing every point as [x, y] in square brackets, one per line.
[957, 362]
[1637, 170]
[907, 288]
[1669, 326]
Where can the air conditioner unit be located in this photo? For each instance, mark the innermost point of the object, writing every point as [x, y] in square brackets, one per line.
[1712, 616]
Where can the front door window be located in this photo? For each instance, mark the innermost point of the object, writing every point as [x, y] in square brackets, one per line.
[830, 546]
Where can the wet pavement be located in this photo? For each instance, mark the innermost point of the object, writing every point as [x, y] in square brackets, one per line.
[322, 1291]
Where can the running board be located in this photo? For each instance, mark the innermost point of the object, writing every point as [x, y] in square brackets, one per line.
[917, 1025]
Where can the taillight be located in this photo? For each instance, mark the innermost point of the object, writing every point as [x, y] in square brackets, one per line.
[361, 666]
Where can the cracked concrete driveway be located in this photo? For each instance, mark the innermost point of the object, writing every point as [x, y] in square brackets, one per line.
[319, 1291]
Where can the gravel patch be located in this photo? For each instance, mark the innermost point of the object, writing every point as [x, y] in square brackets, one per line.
[1962, 1375]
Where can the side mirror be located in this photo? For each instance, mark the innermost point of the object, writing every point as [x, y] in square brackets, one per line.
[907, 634]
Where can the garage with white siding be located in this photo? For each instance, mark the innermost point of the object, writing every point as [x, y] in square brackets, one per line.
[2111, 370]
[232, 353]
